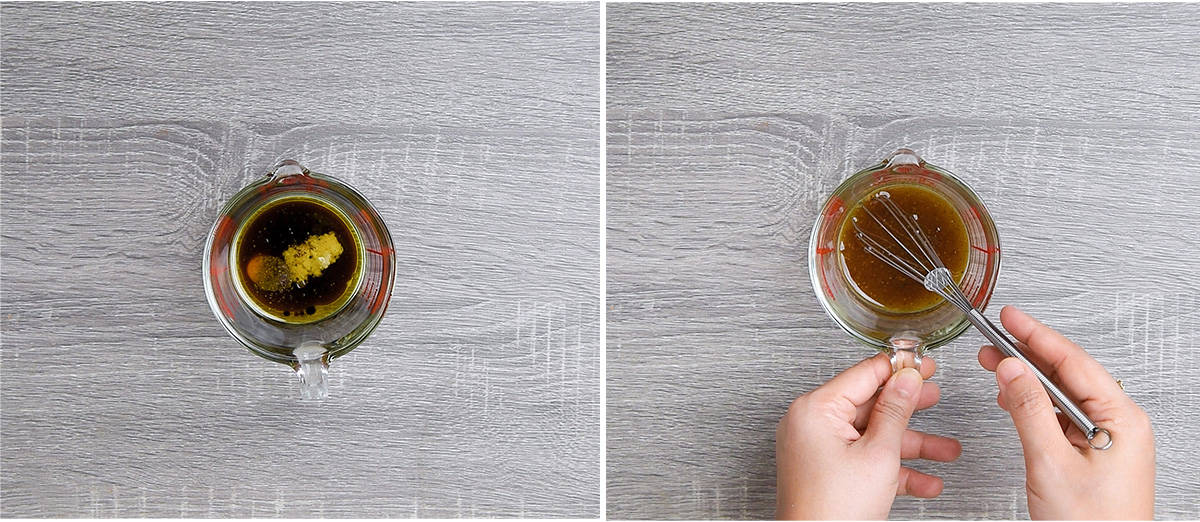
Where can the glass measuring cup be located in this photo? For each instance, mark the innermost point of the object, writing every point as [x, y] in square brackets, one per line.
[905, 336]
[307, 347]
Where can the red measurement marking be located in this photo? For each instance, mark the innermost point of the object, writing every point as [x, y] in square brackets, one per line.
[221, 301]
[823, 250]
[835, 205]
[979, 301]
[825, 283]
[988, 250]
[381, 298]
[224, 227]
[975, 211]
[213, 272]
[225, 308]
[215, 269]
[387, 251]
[928, 182]
[375, 306]
[311, 184]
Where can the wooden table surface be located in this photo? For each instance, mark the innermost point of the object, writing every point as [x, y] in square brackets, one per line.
[474, 128]
[728, 125]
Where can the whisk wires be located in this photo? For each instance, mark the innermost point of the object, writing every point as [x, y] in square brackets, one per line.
[921, 263]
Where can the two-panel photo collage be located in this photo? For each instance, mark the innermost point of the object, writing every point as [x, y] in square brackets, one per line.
[600, 260]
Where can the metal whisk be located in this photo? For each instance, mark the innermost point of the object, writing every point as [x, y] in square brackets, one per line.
[920, 262]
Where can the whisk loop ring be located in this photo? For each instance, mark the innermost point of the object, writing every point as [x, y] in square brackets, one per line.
[1091, 438]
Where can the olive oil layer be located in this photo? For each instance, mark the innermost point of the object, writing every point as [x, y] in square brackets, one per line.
[290, 223]
[883, 286]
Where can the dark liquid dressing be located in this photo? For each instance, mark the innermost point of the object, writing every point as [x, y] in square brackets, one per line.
[290, 223]
[884, 286]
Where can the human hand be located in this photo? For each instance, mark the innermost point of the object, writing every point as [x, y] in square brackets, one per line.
[1064, 477]
[838, 448]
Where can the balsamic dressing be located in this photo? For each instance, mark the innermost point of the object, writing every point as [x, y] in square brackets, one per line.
[883, 286]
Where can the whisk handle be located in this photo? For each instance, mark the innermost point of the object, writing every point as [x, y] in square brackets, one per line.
[1064, 403]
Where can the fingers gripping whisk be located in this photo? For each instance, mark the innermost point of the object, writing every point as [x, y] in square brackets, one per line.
[903, 246]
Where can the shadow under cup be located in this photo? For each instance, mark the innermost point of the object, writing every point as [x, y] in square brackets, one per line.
[307, 347]
[904, 335]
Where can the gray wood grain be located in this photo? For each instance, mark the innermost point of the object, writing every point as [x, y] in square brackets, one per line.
[729, 124]
[473, 128]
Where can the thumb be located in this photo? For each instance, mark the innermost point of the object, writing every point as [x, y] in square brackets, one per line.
[893, 408]
[1022, 395]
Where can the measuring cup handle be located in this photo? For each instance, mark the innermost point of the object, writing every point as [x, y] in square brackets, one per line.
[905, 350]
[312, 367]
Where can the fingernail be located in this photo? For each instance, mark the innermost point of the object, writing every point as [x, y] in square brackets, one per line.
[1007, 371]
[907, 382]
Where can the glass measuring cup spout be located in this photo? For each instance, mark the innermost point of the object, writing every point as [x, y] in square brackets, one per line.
[312, 368]
[287, 168]
[903, 157]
